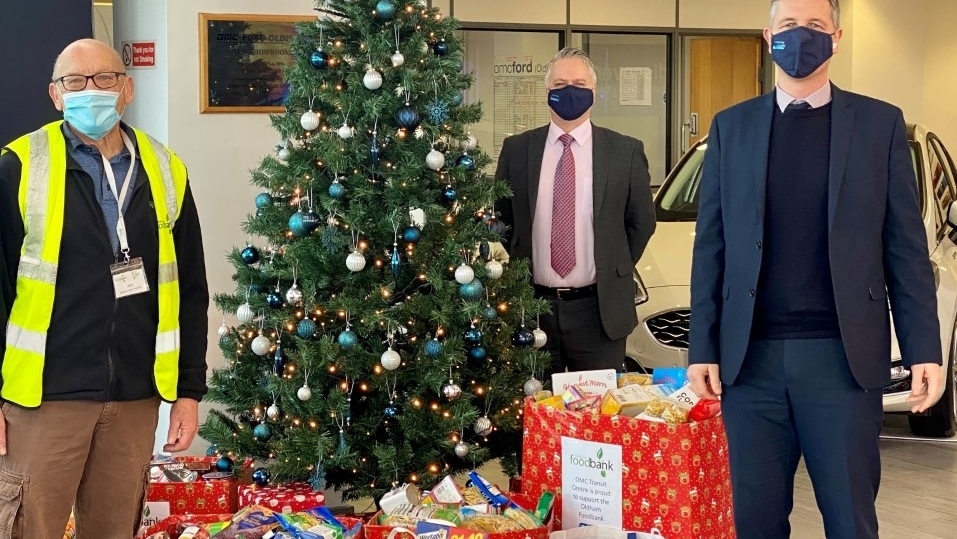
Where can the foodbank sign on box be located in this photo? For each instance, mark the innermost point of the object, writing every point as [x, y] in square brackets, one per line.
[591, 484]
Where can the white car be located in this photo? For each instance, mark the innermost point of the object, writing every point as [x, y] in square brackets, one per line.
[663, 276]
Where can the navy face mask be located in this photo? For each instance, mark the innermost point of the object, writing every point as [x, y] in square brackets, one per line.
[571, 102]
[800, 51]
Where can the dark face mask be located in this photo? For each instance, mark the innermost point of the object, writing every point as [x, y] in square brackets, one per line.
[800, 51]
[571, 102]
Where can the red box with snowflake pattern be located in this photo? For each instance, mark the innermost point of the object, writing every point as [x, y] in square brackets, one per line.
[674, 478]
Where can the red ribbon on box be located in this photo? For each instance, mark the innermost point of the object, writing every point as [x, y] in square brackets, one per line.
[292, 497]
[675, 478]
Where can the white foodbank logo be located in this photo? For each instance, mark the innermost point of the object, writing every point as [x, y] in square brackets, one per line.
[596, 463]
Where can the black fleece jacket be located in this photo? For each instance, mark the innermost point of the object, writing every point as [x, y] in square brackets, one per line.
[100, 348]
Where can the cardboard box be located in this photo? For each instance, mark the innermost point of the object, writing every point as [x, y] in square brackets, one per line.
[629, 474]
[628, 400]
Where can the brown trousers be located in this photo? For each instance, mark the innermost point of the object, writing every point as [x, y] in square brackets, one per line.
[91, 457]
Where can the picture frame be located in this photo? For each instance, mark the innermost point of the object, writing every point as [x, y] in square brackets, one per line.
[242, 58]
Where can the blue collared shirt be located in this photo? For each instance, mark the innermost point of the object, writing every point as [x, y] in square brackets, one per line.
[91, 162]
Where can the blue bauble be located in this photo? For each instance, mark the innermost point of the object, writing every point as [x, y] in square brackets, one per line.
[450, 194]
[385, 10]
[441, 48]
[261, 475]
[278, 362]
[347, 339]
[412, 234]
[473, 336]
[302, 223]
[489, 313]
[255, 289]
[319, 60]
[337, 190]
[523, 337]
[250, 255]
[466, 161]
[391, 411]
[408, 117]
[478, 353]
[263, 200]
[496, 226]
[433, 349]
[457, 99]
[484, 249]
[212, 451]
[471, 291]
[274, 300]
[224, 464]
[262, 433]
[305, 328]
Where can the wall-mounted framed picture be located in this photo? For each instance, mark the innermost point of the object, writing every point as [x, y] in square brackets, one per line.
[242, 60]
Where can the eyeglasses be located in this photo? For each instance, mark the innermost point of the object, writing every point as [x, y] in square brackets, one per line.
[103, 81]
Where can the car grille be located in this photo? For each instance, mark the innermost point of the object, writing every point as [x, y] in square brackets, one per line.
[670, 328]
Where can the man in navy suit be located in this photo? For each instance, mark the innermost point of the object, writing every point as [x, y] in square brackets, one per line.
[808, 222]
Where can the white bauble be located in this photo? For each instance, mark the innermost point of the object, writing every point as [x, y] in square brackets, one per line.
[272, 412]
[355, 261]
[294, 295]
[461, 450]
[223, 331]
[261, 345]
[245, 313]
[494, 269]
[284, 154]
[417, 216]
[483, 426]
[390, 360]
[464, 274]
[304, 393]
[397, 59]
[532, 386]
[372, 79]
[425, 48]
[345, 132]
[540, 338]
[309, 120]
[470, 143]
[435, 159]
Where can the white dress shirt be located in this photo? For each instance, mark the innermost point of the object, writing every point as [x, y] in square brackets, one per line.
[583, 274]
[819, 98]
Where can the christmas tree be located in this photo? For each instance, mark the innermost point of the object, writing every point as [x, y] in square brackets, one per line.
[380, 339]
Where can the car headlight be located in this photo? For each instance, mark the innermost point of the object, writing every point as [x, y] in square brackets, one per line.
[641, 293]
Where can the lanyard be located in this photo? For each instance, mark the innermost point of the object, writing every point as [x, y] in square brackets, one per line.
[121, 196]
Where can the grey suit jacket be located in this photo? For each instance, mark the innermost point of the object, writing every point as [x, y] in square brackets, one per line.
[624, 214]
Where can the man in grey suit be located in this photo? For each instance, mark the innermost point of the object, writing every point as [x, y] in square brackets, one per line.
[582, 211]
[808, 222]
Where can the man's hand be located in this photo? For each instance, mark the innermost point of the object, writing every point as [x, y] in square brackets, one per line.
[927, 383]
[3, 434]
[705, 380]
[183, 425]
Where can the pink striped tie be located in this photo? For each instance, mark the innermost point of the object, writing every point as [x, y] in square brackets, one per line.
[563, 211]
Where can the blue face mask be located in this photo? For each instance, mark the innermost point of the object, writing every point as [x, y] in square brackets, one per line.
[800, 51]
[571, 102]
[91, 112]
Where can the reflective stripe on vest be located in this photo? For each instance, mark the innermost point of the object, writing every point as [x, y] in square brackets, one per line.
[43, 159]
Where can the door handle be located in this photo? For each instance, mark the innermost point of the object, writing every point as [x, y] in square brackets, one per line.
[694, 124]
[684, 137]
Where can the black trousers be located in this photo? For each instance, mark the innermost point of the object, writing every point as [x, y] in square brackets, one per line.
[798, 398]
[576, 340]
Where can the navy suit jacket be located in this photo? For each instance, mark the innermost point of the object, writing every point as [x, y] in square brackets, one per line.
[877, 242]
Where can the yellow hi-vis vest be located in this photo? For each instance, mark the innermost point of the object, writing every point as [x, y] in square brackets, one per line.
[43, 158]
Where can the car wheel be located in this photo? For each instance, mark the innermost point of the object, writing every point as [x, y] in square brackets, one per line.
[941, 419]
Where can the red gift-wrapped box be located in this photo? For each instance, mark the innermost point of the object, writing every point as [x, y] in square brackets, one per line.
[375, 531]
[171, 524]
[629, 473]
[288, 498]
[199, 497]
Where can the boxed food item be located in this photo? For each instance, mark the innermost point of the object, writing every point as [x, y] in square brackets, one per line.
[628, 400]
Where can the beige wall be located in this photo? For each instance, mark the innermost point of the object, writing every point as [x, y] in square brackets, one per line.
[940, 75]
[644, 13]
[737, 14]
[512, 11]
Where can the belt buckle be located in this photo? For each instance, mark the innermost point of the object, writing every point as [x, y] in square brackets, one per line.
[560, 291]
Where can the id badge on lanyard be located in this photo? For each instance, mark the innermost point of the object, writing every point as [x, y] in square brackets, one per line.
[129, 276]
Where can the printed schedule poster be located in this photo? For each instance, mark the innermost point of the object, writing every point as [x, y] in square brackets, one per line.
[591, 484]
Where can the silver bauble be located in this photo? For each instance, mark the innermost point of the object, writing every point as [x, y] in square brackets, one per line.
[390, 360]
[245, 313]
[451, 391]
[284, 154]
[494, 269]
[461, 450]
[294, 295]
[223, 331]
[469, 143]
[372, 79]
[304, 393]
[309, 120]
[261, 345]
[397, 59]
[464, 274]
[540, 338]
[355, 261]
[532, 386]
[345, 132]
[435, 160]
[483, 426]
[272, 412]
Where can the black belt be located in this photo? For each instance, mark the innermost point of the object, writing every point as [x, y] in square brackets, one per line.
[566, 293]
